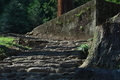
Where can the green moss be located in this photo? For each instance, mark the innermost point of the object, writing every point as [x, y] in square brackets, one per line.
[114, 1]
[94, 5]
[82, 12]
[81, 27]
[7, 41]
[8, 45]
[87, 8]
[59, 23]
[79, 14]
[68, 21]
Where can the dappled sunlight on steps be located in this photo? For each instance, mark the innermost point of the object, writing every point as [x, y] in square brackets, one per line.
[56, 60]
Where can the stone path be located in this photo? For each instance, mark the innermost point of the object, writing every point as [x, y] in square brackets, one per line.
[48, 60]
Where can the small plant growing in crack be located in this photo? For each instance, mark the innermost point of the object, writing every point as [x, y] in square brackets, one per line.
[59, 23]
[84, 47]
[88, 8]
[68, 20]
[90, 39]
[81, 27]
[79, 14]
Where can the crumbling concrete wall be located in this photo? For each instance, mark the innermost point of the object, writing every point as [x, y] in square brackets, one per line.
[78, 23]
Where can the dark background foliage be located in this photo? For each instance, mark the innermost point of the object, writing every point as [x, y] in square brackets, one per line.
[21, 16]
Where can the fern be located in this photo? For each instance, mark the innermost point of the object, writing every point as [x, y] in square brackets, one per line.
[84, 47]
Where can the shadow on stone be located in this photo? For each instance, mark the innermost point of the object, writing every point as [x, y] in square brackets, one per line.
[96, 74]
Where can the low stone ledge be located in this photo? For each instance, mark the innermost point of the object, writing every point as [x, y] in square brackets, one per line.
[96, 74]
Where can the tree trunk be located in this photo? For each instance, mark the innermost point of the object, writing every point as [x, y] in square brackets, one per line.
[59, 12]
[105, 49]
[64, 6]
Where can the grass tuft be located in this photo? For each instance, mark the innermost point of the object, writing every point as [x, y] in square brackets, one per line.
[8, 45]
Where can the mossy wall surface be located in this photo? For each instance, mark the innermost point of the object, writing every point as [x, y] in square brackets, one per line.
[78, 23]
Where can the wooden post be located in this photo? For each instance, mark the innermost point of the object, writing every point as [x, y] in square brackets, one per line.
[64, 6]
[60, 9]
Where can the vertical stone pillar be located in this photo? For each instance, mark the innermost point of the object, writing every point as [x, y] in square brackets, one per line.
[106, 10]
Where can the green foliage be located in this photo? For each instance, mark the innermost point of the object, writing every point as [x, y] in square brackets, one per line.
[57, 22]
[68, 20]
[87, 8]
[21, 16]
[90, 39]
[14, 18]
[115, 1]
[3, 3]
[84, 47]
[9, 42]
[80, 14]
[81, 27]
[1, 50]
[41, 11]
[6, 40]
[34, 11]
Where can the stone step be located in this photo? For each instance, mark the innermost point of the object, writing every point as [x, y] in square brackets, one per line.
[52, 60]
[35, 76]
[60, 62]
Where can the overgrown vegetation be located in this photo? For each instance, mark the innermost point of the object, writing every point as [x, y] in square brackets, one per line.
[8, 46]
[84, 47]
[9, 42]
[115, 1]
[79, 14]
[21, 16]
[6, 41]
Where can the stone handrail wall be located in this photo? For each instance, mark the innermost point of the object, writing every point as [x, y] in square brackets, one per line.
[70, 25]
[78, 23]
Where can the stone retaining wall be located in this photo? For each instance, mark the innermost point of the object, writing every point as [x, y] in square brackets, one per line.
[78, 23]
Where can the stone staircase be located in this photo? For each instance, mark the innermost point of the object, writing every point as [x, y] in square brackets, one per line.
[48, 60]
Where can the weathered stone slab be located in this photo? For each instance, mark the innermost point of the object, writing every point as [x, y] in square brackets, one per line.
[41, 69]
[96, 74]
[68, 64]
